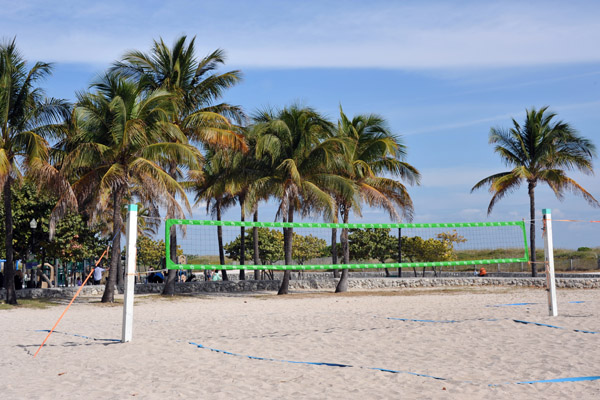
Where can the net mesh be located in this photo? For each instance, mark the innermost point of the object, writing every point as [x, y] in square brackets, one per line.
[369, 245]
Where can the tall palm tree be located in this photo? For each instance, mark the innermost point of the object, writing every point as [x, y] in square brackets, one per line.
[250, 169]
[196, 89]
[26, 119]
[213, 185]
[122, 138]
[239, 170]
[542, 150]
[374, 152]
[296, 142]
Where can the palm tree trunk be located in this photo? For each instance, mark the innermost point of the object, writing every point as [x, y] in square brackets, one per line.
[120, 272]
[255, 245]
[169, 288]
[342, 285]
[220, 240]
[115, 253]
[243, 242]
[288, 235]
[531, 188]
[399, 251]
[9, 265]
[334, 255]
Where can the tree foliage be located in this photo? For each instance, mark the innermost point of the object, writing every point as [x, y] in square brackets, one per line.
[73, 241]
[372, 243]
[149, 251]
[417, 249]
[27, 119]
[270, 246]
[542, 150]
[450, 239]
[307, 247]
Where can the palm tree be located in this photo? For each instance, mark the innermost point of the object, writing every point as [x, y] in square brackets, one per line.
[213, 185]
[122, 137]
[26, 119]
[373, 151]
[241, 171]
[541, 150]
[196, 88]
[296, 143]
[225, 180]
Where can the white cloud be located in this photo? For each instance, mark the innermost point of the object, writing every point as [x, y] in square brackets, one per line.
[414, 35]
[456, 176]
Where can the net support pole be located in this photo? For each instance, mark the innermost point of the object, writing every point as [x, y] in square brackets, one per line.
[549, 256]
[130, 267]
[400, 251]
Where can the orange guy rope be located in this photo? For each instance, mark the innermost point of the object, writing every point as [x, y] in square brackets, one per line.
[72, 300]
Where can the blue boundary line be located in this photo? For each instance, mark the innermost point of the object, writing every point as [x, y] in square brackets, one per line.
[552, 326]
[491, 319]
[527, 304]
[423, 320]
[575, 379]
[451, 321]
[81, 336]
[511, 304]
[326, 364]
[339, 365]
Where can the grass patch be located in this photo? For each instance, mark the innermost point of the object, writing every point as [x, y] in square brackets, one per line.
[29, 303]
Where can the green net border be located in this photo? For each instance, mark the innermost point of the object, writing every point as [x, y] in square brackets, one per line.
[250, 224]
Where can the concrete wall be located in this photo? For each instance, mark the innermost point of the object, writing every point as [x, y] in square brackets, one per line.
[327, 284]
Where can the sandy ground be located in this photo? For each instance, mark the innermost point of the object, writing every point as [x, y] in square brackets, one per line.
[482, 355]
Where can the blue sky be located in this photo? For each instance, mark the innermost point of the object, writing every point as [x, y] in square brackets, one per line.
[441, 72]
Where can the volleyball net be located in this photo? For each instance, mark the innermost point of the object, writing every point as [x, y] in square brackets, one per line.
[316, 246]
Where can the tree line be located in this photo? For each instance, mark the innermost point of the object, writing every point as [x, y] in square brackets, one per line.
[363, 245]
[154, 130]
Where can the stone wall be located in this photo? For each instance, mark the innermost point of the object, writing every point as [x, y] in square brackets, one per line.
[313, 284]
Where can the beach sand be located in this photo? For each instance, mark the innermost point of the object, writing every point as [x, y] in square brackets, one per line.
[481, 355]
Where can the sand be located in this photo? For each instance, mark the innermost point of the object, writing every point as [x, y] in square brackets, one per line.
[482, 355]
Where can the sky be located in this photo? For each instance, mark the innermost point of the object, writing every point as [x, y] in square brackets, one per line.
[442, 73]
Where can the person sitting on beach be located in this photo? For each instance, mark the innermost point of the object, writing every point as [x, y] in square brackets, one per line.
[151, 275]
[159, 277]
[216, 276]
[482, 271]
[18, 280]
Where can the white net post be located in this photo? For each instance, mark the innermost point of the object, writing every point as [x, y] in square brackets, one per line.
[549, 256]
[130, 268]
